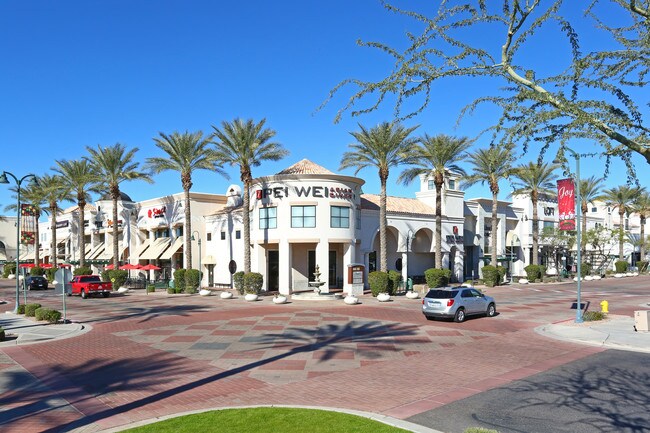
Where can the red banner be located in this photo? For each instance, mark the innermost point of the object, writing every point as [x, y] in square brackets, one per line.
[566, 204]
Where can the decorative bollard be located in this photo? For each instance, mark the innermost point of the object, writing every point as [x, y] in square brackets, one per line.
[604, 307]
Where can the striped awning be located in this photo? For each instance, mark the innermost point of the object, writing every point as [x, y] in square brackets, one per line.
[142, 247]
[157, 247]
[178, 243]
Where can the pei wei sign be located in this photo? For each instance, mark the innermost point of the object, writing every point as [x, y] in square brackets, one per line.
[566, 203]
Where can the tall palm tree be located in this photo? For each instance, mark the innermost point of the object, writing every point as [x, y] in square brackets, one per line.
[80, 179]
[31, 194]
[491, 165]
[385, 146]
[185, 152]
[436, 157]
[54, 191]
[590, 190]
[535, 179]
[246, 144]
[642, 206]
[115, 165]
[621, 198]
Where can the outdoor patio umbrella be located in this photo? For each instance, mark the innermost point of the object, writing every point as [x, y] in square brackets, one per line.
[150, 267]
[108, 267]
[27, 265]
[47, 266]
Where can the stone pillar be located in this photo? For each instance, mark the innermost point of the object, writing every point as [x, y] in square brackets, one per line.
[405, 267]
[322, 260]
[349, 257]
[284, 263]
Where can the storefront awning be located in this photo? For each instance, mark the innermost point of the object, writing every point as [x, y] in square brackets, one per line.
[28, 255]
[108, 253]
[62, 241]
[93, 251]
[142, 247]
[178, 243]
[157, 247]
[3, 256]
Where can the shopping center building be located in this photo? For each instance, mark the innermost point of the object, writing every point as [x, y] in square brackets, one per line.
[304, 217]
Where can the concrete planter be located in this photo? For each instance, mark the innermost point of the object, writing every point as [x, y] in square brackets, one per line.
[251, 297]
[383, 297]
[205, 292]
[280, 299]
[351, 300]
[412, 294]
[226, 295]
[123, 290]
[523, 281]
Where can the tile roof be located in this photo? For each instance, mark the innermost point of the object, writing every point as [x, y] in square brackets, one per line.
[398, 205]
[305, 167]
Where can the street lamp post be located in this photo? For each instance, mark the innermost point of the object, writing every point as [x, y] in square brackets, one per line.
[578, 235]
[200, 272]
[3, 179]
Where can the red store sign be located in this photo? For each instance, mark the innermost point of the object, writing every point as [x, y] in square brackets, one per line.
[157, 212]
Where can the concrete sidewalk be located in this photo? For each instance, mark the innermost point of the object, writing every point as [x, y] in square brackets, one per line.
[20, 330]
[615, 332]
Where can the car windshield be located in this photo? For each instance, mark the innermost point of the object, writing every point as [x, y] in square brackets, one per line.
[441, 294]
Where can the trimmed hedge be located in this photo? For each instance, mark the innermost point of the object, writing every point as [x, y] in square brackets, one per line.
[21, 309]
[10, 268]
[253, 282]
[30, 309]
[642, 265]
[491, 276]
[179, 280]
[533, 272]
[151, 288]
[621, 266]
[378, 282]
[437, 277]
[52, 316]
[238, 281]
[394, 280]
[82, 270]
[117, 277]
[50, 273]
[36, 271]
[192, 280]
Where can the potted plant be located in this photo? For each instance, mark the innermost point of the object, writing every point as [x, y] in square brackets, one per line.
[253, 282]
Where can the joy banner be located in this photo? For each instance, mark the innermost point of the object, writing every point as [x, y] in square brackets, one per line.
[566, 203]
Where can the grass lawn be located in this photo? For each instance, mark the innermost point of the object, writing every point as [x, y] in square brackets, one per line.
[268, 419]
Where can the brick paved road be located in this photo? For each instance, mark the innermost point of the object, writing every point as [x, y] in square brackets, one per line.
[158, 354]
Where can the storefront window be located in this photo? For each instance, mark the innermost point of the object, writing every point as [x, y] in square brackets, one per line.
[269, 218]
[163, 233]
[178, 232]
[303, 216]
[223, 236]
[339, 217]
[237, 234]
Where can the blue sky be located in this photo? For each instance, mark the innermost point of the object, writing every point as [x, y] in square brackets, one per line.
[87, 72]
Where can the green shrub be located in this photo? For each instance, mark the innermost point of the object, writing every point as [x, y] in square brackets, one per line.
[502, 273]
[590, 316]
[585, 269]
[533, 272]
[378, 282]
[253, 282]
[151, 288]
[642, 265]
[2, 334]
[82, 270]
[21, 309]
[50, 273]
[238, 281]
[621, 266]
[36, 271]
[491, 275]
[542, 271]
[105, 275]
[30, 309]
[171, 290]
[192, 281]
[179, 280]
[10, 268]
[394, 281]
[47, 314]
[39, 313]
[117, 277]
[437, 277]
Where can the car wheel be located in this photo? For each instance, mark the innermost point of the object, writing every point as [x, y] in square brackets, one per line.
[492, 310]
[105, 294]
[84, 295]
[460, 315]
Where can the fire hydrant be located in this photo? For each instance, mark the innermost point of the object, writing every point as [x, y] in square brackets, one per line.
[604, 307]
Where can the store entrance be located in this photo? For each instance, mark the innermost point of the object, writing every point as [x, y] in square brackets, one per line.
[273, 271]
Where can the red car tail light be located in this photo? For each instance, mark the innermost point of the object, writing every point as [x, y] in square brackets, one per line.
[450, 302]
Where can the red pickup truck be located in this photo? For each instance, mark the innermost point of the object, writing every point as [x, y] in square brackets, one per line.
[86, 285]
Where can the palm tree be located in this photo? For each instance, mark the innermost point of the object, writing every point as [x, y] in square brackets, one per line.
[491, 165]
[533, 180]
[54, 191]
[590, 190]
[385, 146]
[621, 198]
[642, 206]
[436, 157]
[80, 179]
[114, 164]
[246, 144]
[185, 153]
[31, 194]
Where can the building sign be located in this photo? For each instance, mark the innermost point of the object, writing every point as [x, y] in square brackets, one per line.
[454, 239]
[305, 191]
[566, 204]
[62, 224]
[548, 211]
[157, 212]
[109, 223]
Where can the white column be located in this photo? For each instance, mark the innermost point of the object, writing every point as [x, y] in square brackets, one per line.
[284, 263]
[458, 265]
[405, 267]
[322, 260]
[349, 256]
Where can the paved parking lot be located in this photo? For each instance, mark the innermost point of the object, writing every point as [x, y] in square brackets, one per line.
[158, 354]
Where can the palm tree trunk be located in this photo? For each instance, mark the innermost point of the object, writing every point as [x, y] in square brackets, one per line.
[438, 226]
[116, 257]
[247, 225]
[621, 219]
[188, 230]
[493, 235]
[37, 243]
[81, 235]
[535, 260]
[642, 244]
[383, 261]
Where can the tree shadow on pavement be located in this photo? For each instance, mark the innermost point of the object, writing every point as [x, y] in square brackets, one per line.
[296, 341]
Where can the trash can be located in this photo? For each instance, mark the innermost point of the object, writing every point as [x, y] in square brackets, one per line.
[409, 284]
[171, 284]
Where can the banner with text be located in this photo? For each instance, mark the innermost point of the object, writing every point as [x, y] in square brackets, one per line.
[566, 203]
